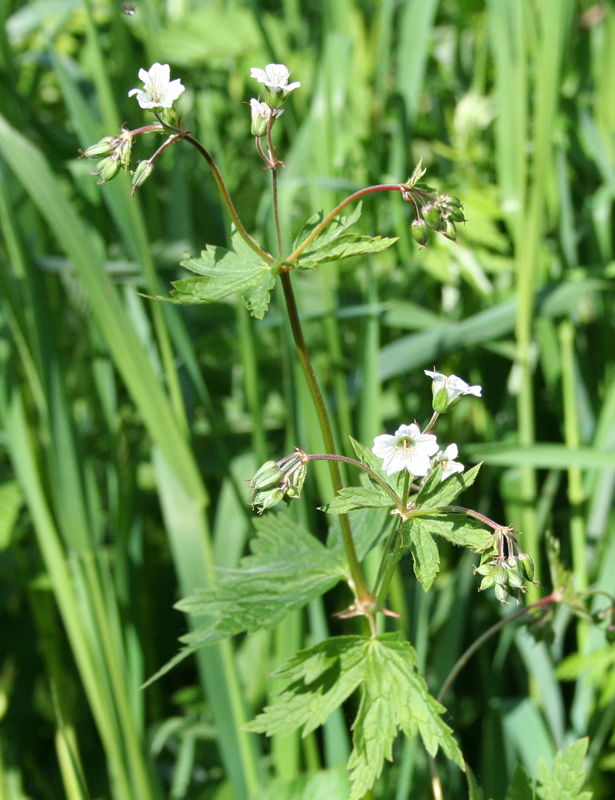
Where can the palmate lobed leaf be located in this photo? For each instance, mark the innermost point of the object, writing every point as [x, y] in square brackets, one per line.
[566, 777]
[333, 243]
[352, 498]
[346, 246]
[288, 568]
[418, 533]
[333, 231]
[225, 272]
[394, 697]
[436, 492]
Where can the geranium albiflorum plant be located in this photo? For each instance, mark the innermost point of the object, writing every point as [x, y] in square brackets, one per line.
[408, 481]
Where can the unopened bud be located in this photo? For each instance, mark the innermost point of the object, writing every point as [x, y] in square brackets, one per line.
[268, 476]
[102, 148]
[486, 583]
[499, 575]
[501, 593]
[107, 169]
[141, 174]
[456, 214]
[432, 217]
[420, 232]
[261, 114]
[527, 565]
[450, 230]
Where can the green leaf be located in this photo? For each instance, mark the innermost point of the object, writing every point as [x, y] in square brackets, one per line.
[354, 497]
[330, 784]
[346, 246]
[258, 297]
[288, 568]
[394, 697]
[226, 272]
[437, 492]
[474, 790]
[457, 528]
[424, 551]
[369, 525]
[333, 231]
[565, 780]
[522, 786]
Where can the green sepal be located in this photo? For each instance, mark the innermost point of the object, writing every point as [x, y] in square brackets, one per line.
[354, 497]
[436, 492]
[394, 696]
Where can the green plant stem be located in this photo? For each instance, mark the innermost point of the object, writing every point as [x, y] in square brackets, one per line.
[385, 187]
[360, 586]
[390, 558]
[555, 597]
[227, 198]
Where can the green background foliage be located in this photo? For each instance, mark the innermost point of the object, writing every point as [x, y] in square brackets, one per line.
[129, 428]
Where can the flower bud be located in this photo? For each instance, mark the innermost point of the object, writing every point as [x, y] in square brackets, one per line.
[527, 565]
[107, 169]
[454, 202]
[268, 476]
[450, 231]
[486, 583]
[456, 214]
[516, 580]
[432, 217]
[102, 148]
[420, 232]
[141, 174]
[501, 593]
[499, 575]
[261, 114]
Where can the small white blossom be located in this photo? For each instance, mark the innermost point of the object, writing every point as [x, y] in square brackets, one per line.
[261, 113]
[158, 90]
[446, 459]
[275, 77]
[408, 449]
[447, 390]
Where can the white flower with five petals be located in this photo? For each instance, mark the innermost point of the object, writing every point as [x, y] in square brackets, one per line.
[408, 449]
[158, 90]
[446, 459]
[275, 78]
[447, 389]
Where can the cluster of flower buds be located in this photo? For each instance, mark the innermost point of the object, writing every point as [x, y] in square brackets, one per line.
[279, 480]
[509, 570]
[433, 211]
[114, 152]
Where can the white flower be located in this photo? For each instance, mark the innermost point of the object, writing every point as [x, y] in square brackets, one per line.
[158, 91]
[408, 449]
[446, 459]
[261, 113]
[448, 389]
[275, 77]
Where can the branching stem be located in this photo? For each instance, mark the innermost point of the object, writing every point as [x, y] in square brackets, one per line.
[385, 187]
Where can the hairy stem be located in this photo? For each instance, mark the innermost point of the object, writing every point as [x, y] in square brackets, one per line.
[360, 586]
[227, 199]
